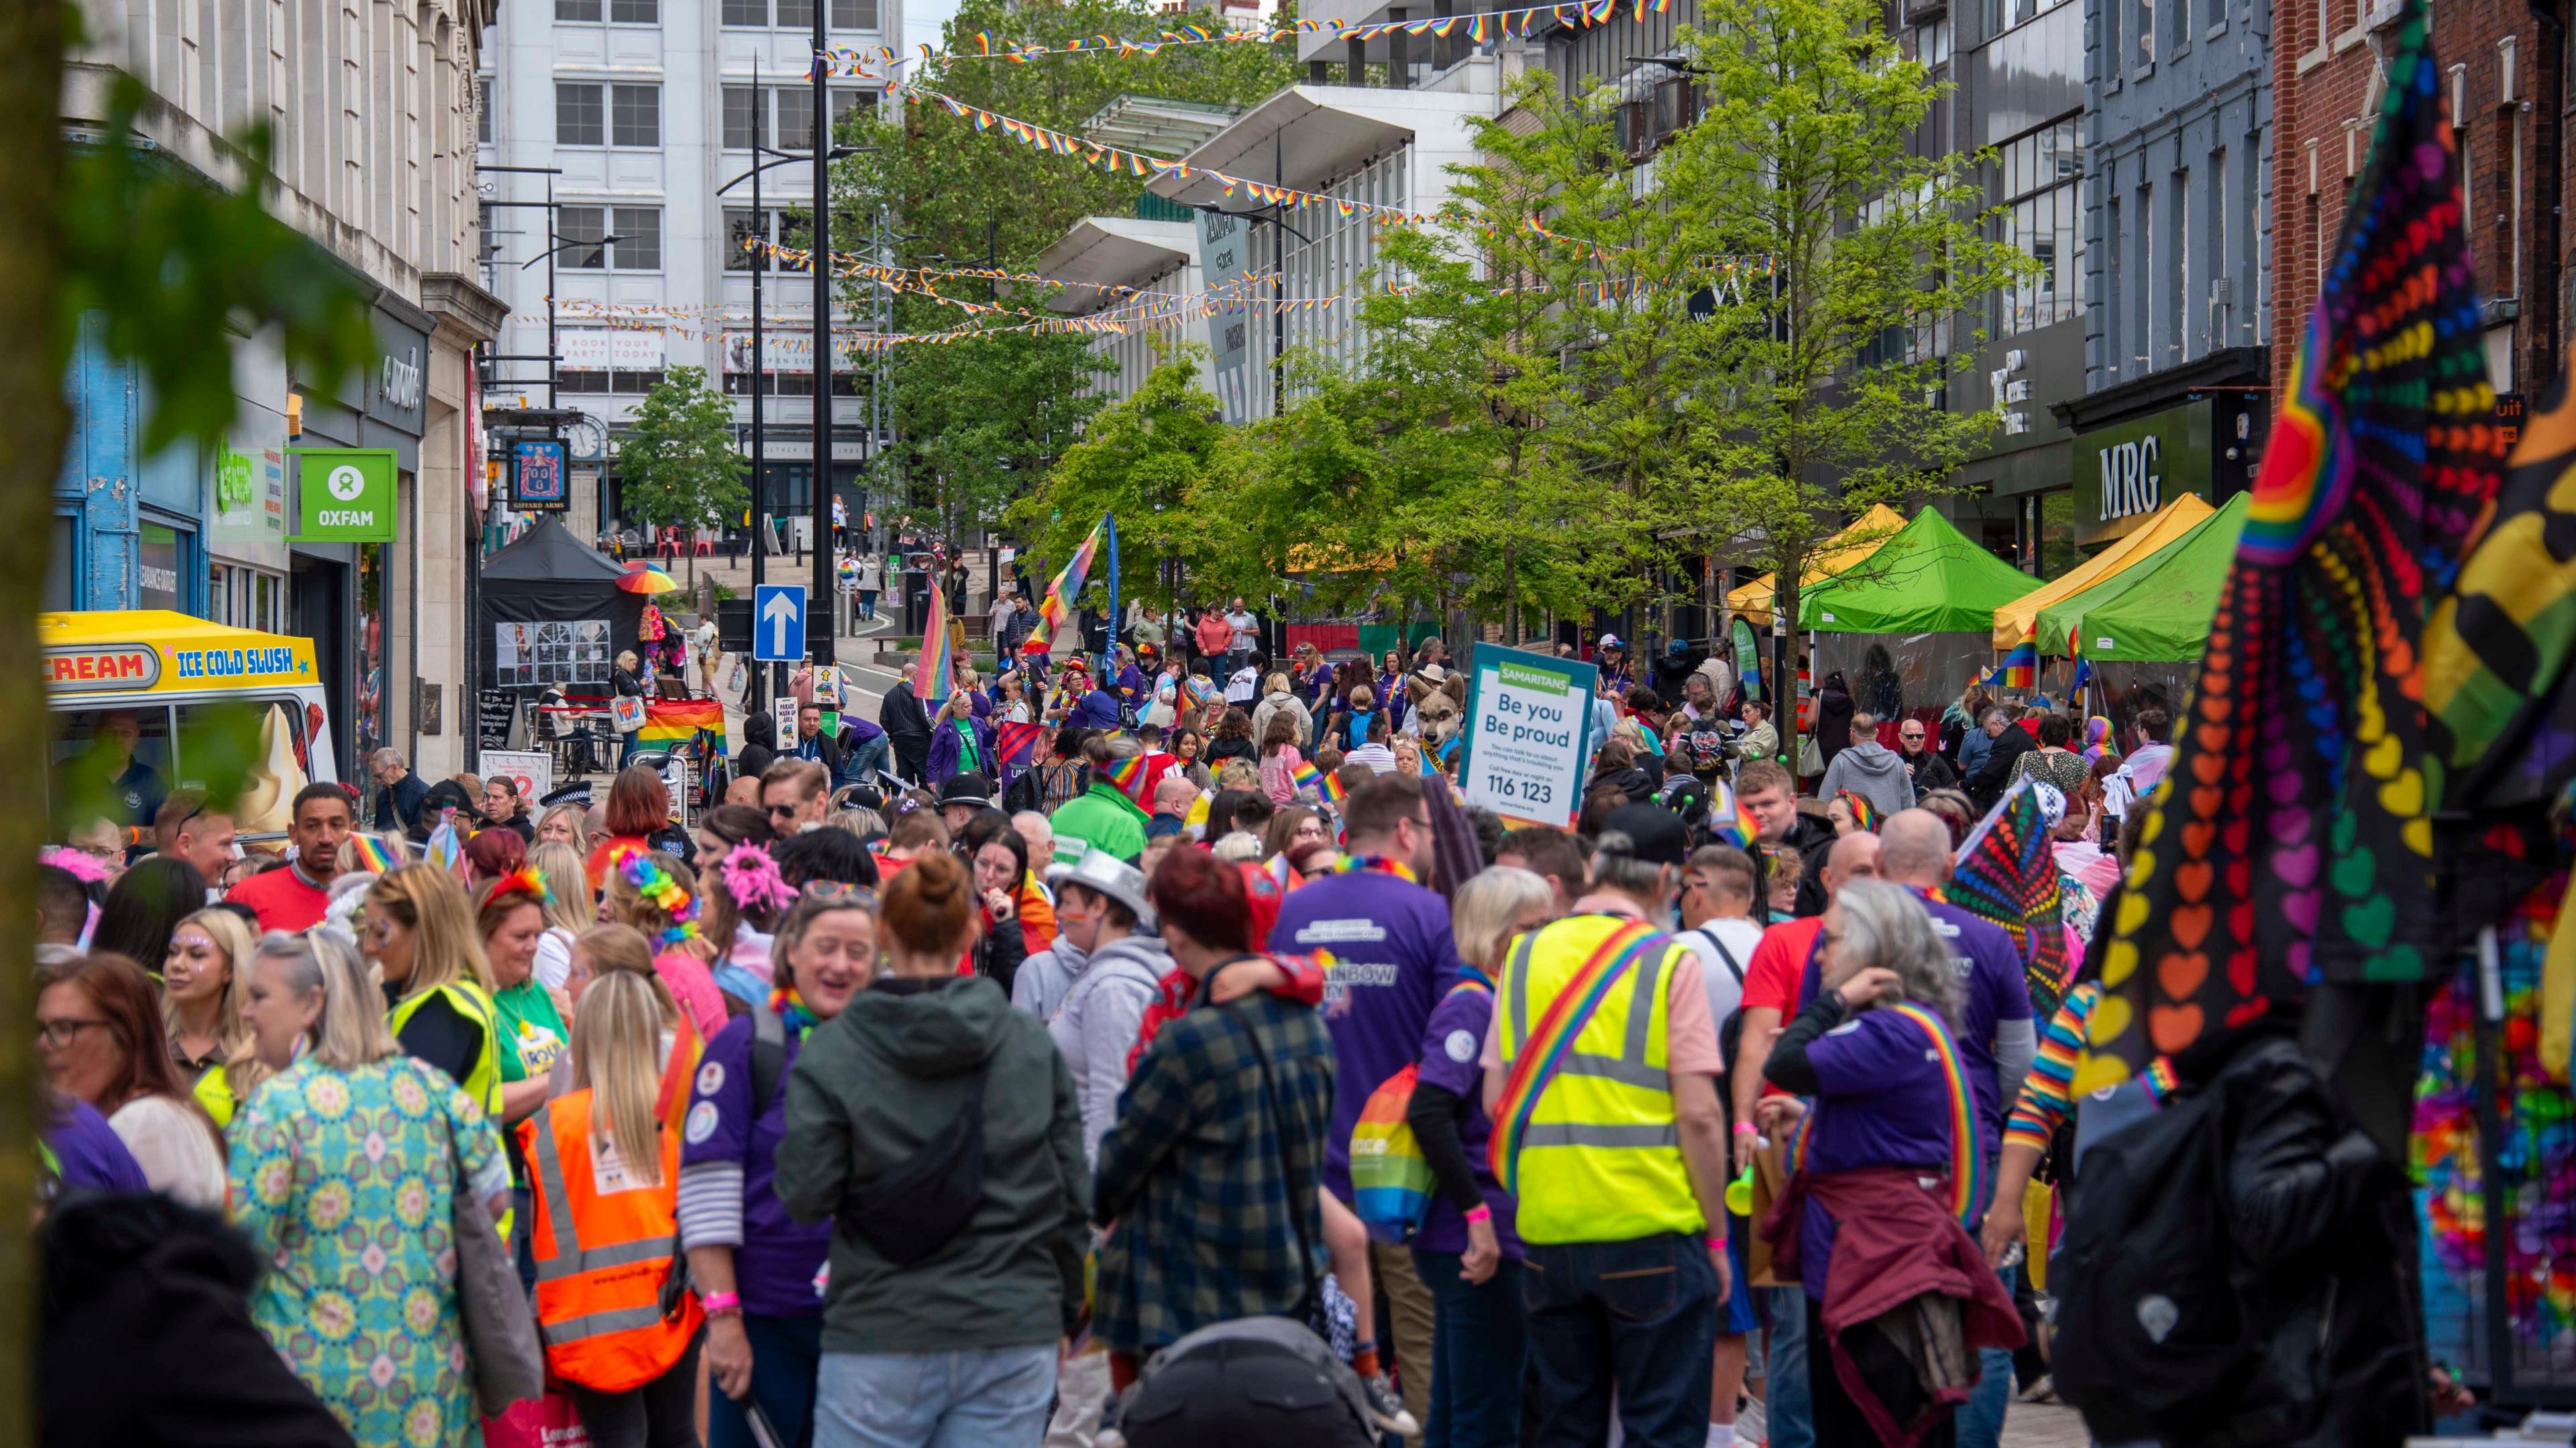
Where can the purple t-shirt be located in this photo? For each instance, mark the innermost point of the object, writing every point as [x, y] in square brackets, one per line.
[88, 1152]
[1992, 989]
[1881, 1101]
[1451, 1045]
[1392, 959]
[775, 1266]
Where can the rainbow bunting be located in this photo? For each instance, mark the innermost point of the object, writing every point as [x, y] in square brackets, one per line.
[934, 678]
[2297, 844]
[1057, 606]
[2019, 670]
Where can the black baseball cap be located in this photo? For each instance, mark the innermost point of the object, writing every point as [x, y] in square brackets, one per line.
[1656, 835]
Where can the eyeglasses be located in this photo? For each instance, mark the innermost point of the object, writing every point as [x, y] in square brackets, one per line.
[833, 892]
[55, 1035]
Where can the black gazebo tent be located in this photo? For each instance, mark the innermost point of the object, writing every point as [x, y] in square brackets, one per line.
[552, 615]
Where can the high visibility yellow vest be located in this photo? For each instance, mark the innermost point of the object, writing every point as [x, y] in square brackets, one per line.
[483, 1080]
[1601, 1159]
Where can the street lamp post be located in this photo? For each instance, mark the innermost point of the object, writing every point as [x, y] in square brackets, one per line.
[822, 645]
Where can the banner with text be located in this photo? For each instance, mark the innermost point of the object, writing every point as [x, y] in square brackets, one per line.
[1529, 725]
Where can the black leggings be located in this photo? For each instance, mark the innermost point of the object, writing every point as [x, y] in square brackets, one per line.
[661, 1414]
[1838, 1418]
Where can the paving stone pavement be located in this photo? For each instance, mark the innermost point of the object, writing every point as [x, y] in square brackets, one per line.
[2044, 1425]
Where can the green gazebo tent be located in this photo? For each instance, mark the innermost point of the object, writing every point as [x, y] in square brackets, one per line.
[1929, 578]
[2159, 611]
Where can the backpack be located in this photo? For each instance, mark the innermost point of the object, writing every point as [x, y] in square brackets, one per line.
[1391, 1186]
[2155, 1340]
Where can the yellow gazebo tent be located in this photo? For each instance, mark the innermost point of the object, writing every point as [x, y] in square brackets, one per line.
[1865, 537]
[2015, 621]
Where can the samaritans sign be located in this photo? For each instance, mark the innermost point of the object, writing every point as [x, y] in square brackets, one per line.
[1529, 724]
[347, 495]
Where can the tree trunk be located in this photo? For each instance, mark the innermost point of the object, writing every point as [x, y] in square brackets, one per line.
[35, 424]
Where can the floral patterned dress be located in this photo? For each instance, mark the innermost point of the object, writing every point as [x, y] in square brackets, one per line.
[344, 1181]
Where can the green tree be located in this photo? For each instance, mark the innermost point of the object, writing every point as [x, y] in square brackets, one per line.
[982, 419]
[1878, 272]
[676, 463]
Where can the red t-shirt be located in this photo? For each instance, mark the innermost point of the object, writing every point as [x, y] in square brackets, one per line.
[1771, 977]
[282, 900]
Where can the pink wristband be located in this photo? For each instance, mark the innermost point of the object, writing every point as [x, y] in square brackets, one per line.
[717, 1304]
[1717, 1244]
[1482, 1213]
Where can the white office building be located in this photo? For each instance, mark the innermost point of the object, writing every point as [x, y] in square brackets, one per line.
[646, 110]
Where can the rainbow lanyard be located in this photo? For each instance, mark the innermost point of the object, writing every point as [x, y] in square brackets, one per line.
[791, 1011]
[1967, 1164]
[1553, 1036]
[1379, 864]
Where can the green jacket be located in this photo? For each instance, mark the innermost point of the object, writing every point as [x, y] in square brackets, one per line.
[886, 1075]
[1101, 817]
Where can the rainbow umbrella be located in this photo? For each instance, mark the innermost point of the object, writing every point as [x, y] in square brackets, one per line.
[646, 578]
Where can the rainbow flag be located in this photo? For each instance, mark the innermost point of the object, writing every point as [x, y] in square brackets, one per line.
[376, 856]
[935, 678]
[1331, 789]
[1730, 820]
[2019, 670]
[1307, 776]
[1057, 606]
[1128, 774]
[674, 723]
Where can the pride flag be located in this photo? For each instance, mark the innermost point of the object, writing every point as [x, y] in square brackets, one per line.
[673, 723]
[1307, 776]
[2019, 670]
[934, 679]
[1057, 606]
[1331, 789]
[1730, 820]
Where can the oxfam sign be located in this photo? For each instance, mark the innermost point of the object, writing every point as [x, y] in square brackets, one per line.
[347, 495]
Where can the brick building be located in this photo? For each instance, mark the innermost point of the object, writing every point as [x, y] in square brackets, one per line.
[2504, 74]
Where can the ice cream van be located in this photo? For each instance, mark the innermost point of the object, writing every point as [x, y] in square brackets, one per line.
[125, 686]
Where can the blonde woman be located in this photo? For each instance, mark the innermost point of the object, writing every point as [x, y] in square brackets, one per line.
[658, 895]
[567, 907]
[608, 950]
[566, 824]
[204, 981]
[421, 935]
[633, 1384]
[351, 1129]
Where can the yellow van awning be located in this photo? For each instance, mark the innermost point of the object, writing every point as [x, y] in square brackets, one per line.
[2015, 621]
[1840, 552]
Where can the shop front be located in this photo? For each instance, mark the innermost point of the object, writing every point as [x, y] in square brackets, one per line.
[2195, 429]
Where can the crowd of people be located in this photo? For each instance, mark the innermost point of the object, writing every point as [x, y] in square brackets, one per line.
[886, 1105]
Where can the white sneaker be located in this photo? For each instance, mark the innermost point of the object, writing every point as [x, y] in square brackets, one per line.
[1752, 1425]
[1386, 1409]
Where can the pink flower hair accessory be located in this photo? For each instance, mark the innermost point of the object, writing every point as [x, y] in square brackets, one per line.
[751, 877]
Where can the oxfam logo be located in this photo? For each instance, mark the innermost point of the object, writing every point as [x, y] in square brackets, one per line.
[346, 482]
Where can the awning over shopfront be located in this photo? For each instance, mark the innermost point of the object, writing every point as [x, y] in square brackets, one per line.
[2158, 611]
[1844, 550]
[2016, 622]
[1929, 578]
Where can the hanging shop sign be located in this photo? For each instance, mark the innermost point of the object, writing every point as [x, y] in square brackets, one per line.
[540, 481]
[346, 495]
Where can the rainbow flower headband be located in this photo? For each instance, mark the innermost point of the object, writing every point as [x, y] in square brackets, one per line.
[522, 881]
[657, 884]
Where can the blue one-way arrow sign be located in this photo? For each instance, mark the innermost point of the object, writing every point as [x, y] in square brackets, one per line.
[778, 623]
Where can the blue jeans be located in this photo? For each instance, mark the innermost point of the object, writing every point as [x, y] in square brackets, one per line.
[785, 1353]
[863, 762]
[1640, 1316]
[1786, 1402]
[969, 1399]
[1479, 1354]
[1981, 1418]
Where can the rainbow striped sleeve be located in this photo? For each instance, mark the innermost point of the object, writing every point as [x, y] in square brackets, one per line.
[2047, 1093]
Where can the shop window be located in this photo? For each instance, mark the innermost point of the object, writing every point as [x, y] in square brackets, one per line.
[161, 568]
[62, 567]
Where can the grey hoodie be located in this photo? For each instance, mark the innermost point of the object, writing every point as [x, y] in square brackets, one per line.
[885, 1076]
[1096, 1026]
[1874, 772]
[1044, 978]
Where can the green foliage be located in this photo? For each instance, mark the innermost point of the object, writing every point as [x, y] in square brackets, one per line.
[982, 419]
[676, 462]
[1883, 273]
[1154, 461]
[165, 263]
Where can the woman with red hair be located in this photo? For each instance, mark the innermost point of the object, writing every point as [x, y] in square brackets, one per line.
[639, 806]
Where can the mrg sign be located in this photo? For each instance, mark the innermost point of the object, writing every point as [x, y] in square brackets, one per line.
[346, 495]
[2125, 472]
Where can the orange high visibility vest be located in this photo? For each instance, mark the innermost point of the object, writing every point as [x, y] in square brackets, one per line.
[604, 1254]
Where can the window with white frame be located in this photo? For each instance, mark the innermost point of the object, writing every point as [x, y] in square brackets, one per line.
[637, 233]
[2039, 183]
[595, 113]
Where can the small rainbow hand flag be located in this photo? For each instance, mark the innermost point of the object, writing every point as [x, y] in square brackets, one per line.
[2019, 670]
[1307, 776]
[1331, 786]
[1730, 820]
[934, 678]
[1129, 775]
[375, 857]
